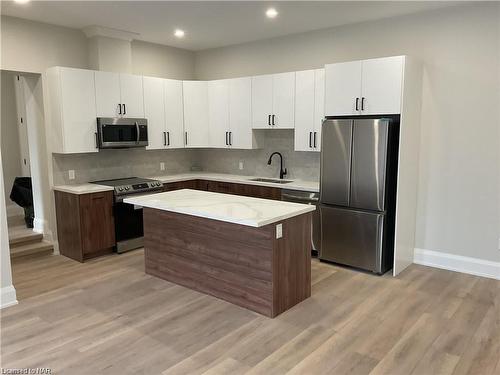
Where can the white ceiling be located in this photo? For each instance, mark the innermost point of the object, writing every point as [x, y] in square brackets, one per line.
[211, 24]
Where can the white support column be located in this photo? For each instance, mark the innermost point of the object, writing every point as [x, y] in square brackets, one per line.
[7, 290]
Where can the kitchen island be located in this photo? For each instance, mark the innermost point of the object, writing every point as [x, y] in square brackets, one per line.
[255, 253]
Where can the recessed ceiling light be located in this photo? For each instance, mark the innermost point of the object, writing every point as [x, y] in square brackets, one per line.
[179, 33]
[271, 13]
[21, 1]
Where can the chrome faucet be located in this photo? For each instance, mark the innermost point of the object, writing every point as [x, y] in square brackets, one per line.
[283, 172]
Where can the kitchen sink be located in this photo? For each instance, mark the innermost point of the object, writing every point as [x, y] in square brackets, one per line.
[272, 180]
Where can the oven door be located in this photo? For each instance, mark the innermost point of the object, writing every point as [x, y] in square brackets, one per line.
[122, 132]
[129, 230]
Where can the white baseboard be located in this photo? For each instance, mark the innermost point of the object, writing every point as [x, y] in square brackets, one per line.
[451, 262]
[7, 297]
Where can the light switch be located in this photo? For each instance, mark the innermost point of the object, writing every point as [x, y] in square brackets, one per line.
[71, 174]
[162, 166]
[279, 230]
[241, 165]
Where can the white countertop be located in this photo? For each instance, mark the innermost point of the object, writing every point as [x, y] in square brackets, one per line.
[253, 212]
[296, 184]
[221, 177]
[83, 188]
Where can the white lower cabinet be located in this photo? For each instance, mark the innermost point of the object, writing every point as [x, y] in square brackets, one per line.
[72, 104]
[309, 109]
[195, 94]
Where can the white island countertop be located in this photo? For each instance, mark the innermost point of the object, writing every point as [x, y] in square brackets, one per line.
[253, 212]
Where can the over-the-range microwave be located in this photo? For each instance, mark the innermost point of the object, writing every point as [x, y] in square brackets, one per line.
[122, 132]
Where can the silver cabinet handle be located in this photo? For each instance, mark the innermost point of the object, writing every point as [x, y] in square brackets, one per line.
[310, 140]
[186, 136]
[164, 138]
[357, 104]
[363, 103]
[96, 141]
[227, 144]
[230, 140]
[124, 109]
[119, 109]
[314, 140]
[168, 138]
[137, 131]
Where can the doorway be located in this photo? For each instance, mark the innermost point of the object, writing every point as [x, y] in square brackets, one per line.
[24, 165]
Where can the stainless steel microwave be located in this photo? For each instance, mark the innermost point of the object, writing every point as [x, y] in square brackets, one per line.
[122, 132]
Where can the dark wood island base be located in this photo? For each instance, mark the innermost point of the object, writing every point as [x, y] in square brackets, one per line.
[244, 265]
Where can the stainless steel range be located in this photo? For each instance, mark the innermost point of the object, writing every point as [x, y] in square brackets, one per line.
[129, 230]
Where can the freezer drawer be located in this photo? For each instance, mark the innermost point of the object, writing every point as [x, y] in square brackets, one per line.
[352, 238]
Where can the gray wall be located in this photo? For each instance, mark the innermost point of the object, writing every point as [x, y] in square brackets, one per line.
[459, 184]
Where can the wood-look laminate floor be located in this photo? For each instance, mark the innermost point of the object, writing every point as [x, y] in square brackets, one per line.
[107, 317]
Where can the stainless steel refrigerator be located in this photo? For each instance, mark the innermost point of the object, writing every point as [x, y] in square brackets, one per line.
[358, 191]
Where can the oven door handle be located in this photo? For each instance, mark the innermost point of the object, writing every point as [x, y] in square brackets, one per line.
[138, 131]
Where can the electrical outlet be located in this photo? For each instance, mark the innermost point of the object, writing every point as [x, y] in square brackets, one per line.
[71, 174]
[162, 166]
[241, 165]
[279, 230]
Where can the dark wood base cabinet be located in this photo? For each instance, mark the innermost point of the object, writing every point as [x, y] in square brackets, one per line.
[85, 224]
[226, 188]
[243, 265]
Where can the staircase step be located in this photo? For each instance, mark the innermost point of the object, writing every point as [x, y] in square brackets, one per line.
[37, 248]
[24, 238]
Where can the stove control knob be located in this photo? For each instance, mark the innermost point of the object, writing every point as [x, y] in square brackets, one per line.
[120, 189]
[127, 187]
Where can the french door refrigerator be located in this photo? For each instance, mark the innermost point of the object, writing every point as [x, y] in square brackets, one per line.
[358, 191]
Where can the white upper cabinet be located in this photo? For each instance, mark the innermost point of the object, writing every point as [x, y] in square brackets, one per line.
[196, 113]
[131, 94]
[118, 95]
[343, 88]
[174, 114]
[218, 113]
[240, 113]
[309, 109]
[107, 94]
[154, 112]
[273, 101]
[230, 113]
[283, 116]
[262, 101]
[72, 105]
[367, 87]
[382, 81]
[163, 109]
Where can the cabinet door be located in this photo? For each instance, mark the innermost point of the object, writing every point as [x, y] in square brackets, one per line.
[78, 108]
[154, 112]
[240, 113]
[343, 87]
[284, 101]
[107, 94]
[304, 110]
[218, 113]
[196, 113]
[96, 217]
[174, 113]
[319, 106]
[381, 85]
[131, 94]
[262, 101]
